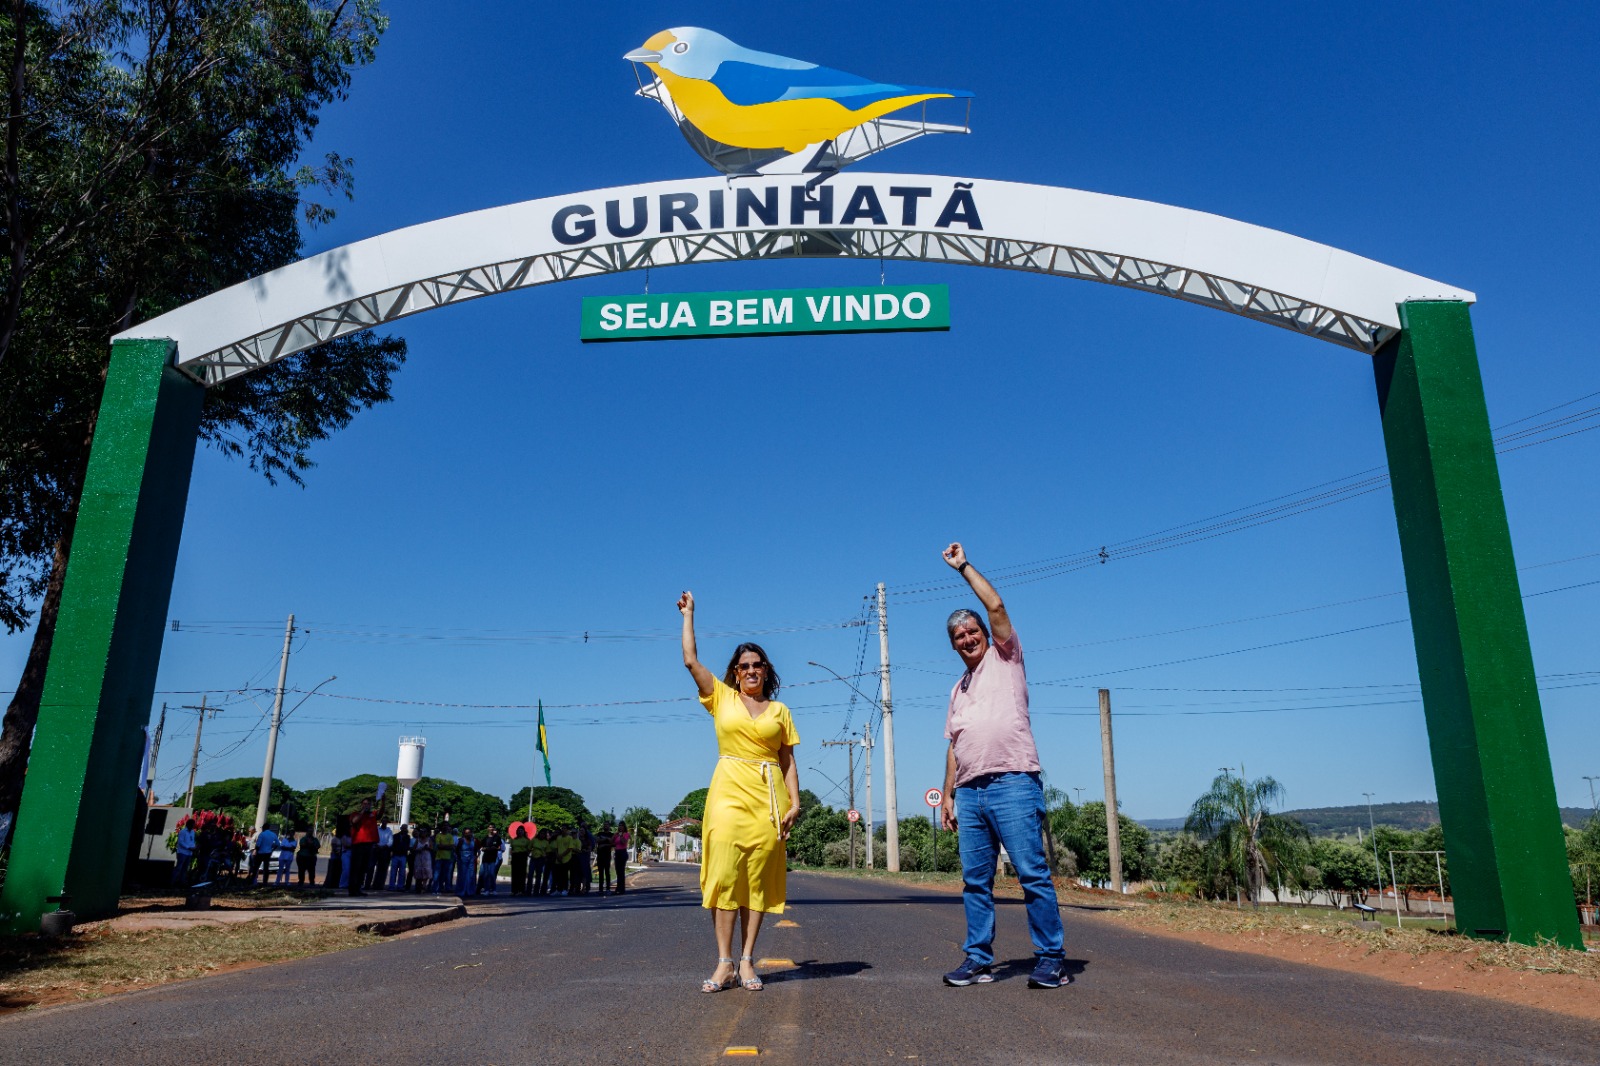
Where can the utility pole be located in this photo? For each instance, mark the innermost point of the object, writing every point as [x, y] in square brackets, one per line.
[866, 745]
[850, 752]
[272, 734]
[155, 750]
[1113, 825]
[194, 760]
[891, 812]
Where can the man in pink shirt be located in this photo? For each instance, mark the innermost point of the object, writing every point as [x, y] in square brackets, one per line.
[992, 791]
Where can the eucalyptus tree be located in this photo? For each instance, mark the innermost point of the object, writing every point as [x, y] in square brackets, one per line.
[1245, 840]
[154, 152]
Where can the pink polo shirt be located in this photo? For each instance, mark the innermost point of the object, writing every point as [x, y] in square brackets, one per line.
[989, 721]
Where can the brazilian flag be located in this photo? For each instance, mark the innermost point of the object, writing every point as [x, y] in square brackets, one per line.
[543, 744]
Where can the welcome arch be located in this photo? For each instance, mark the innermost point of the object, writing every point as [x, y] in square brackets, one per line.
[1486, 732]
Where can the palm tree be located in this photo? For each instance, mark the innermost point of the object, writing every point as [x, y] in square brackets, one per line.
[1244, 839]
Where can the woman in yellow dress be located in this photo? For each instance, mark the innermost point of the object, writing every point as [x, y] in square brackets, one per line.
[743, 859]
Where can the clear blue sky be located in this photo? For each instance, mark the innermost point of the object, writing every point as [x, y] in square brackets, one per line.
[453, 547]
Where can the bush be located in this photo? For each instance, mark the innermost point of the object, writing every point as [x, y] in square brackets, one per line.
[836, 853]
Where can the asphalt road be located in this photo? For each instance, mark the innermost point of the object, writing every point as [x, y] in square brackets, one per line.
[615, 980]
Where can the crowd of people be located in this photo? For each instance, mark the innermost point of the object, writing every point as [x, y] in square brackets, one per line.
[366, 853]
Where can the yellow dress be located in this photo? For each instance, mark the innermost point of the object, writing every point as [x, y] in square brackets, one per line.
[743, 863]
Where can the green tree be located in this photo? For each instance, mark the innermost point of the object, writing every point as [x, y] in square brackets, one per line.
[1583, 857]
[547, 815]
[1415, 870]
[431, 799]
[1180, 865]
[642, 822]
[917, 842]
[693, 806]
[1245, 841]
[1344, 868]
[814, 830]
[1083, 828]
[555, 795]
[153, 155]
[237, 796]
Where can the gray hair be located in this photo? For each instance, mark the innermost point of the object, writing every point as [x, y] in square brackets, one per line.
[962, 615]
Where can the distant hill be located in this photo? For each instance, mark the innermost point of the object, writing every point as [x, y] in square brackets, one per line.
[1343, 821]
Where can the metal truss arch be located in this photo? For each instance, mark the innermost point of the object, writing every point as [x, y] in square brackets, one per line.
[1265, 275]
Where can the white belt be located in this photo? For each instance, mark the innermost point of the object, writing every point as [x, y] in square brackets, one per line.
[771, 782]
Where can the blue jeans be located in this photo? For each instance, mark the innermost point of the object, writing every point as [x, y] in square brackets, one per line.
[441, 874]
[1007, 809]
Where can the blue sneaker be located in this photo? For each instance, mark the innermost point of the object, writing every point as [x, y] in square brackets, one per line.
[1049, 973]
[970, 972]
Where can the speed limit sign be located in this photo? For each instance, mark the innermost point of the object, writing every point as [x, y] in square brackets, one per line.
[854, 815]
[933, 797]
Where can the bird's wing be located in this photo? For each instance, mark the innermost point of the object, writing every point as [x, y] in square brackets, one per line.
[748, 83]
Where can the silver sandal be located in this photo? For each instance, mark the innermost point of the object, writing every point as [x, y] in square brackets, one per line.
[753, 984]
[709, 985]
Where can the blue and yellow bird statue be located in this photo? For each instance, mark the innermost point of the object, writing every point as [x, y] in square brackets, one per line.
[757, 100]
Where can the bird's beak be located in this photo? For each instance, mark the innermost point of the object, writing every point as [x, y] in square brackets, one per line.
[643, 55]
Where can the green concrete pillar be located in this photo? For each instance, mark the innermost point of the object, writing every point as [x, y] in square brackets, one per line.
[78, 802]
[1491, 762]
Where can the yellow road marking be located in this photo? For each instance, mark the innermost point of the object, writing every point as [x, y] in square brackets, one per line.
[778, 963]
[742, 1051]
[787, 924]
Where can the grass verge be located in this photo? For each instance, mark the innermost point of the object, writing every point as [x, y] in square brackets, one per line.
[1186, 915]
[1182, 915]
[101, 960]
[255, 898]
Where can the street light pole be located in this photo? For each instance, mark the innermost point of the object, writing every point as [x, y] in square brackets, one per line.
[891, 819]
[851, 800]
[866, 744]
[850, 751]
[1586, 777]
[891, 830]
[1372, 831]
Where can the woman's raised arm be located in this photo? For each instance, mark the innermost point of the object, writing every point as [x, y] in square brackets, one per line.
[703, 678]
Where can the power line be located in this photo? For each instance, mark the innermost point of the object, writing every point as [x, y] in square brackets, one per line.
[910, 665]
[1249, 516]
[358, 633]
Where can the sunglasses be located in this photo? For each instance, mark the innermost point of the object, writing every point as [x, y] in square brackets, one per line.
[747, 667]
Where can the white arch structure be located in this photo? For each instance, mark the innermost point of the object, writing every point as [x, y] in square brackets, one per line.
[1260, 273]
[1491, 760]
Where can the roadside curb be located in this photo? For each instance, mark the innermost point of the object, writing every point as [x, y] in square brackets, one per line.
[391, 926]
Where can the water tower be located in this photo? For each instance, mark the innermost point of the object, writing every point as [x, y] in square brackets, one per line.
[410, 772]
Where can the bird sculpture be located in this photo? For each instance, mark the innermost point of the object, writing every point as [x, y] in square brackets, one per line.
[757, 100]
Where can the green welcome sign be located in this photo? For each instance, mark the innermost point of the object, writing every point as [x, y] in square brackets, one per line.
[867, 309]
